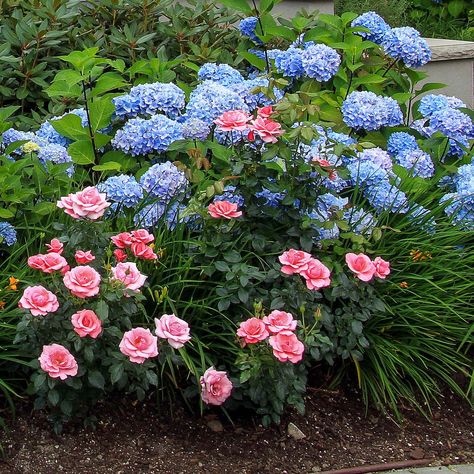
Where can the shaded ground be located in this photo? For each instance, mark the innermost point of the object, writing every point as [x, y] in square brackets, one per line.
[134, 438]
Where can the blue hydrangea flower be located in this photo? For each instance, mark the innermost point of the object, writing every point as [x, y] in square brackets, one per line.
[373, 22]
[378, 157]
[7, 234]
[405, 43]
[56, 154]
[11, 135]
[139, 136]
[164, 181]
[149, 99]
[122, 189]
[289, 62]
[452, 123]
[361, 221]
[230, 194]
[221, 73]
[270, 198]
[326, 205]
[432, 103]
[255, 99]
[48, 133]
[320, 62]
[247, 28]
[196, 129]
[422, 217]
[230, 138]
[149, 216]
[417, 161]
[368, 111]
[401, 141]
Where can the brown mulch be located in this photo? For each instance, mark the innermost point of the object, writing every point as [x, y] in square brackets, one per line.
[136, 438]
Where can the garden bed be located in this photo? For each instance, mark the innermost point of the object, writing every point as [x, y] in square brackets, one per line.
[133, 437]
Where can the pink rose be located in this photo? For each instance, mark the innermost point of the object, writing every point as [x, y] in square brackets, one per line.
[82, 281]
[88, 203]
[316, 275]
[215, 387]
[129, 275]
[47, 263]
[382, 267]
[142, 235]
[286, 346]
[233, 120]
[38, 300]
[58, 362]
[55, 246]
[361, 265]
[278, 321]
[294, 261]
[120, 255]
[139, 344]
[268, 130]
[225, 209]
[141, 250]
[175, 330]
[65, 269]
[36, 262]
[86, 323]
[253, 330]
[265, 112]
[122, 240]
[83, 257]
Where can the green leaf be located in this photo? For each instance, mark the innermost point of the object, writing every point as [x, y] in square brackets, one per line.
[109, 166]
[239, 5]
[64, 89]
[70, 126]
[82, 152]
[152, 377]
[53, 397]
[39, 382]
[455, 7]
[5, 213]
[44, 208]
[96, 379]
[102, 310]
[260, 64]
[100, 112]
[116, 372]
[6, 112]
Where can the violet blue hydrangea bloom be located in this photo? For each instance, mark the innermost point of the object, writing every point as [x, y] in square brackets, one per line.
[401, 141]
[247, 28]
[417, 162]
[373, 22]
[320, 62]
[406, 44]
[122, 189]
[289, 62]
[49, 134]
[7, 234]
[221, 73]
[164, 181]
[432, 103]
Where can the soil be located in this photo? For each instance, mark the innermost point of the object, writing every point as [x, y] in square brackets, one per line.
[135, 438]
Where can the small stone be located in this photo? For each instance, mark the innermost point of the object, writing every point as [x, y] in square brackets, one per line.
[295, 432]
[216, 426]
[417, 453]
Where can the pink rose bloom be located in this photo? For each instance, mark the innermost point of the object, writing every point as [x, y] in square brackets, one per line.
[278, 321]
[316, 275]
[139, 344]
[265, 112]
[253, 330]
[120, 255]
[65, 269]
[141, 250]
[47, 263]
[268, 130]
[122, 240]
[55, 246]
[225, 209]
[86, 323]
[82, 281]
[129, 275]
[286, 346]
[36, 262]
[58, 362]
[175, 330]
[382, 267]
[38, 300]
[142, 235]
[215, 387]
[88, 203]
[294, 261]
[361, 265]
[233, 120]
[83, 257]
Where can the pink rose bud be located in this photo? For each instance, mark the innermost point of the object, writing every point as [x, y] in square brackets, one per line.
[361, 266]
[82, 281]
[233, 120]
[83, 257]
[215, 387]
[287, 347]
[382, 267]
[87, 204]
[39, 301]
[225, 209]
[86, 323]
[316, 275]
[253, 330]
[55, 246]
[58, 362]
[139, 344]
[268, 130]
[278, 321]
[142, 235]
[141, 250]
[120, 255]
[47, 263]
[129, 275]
[65, 269]
[265, 112]
[122, 240]
[173, 329]
[294, 261]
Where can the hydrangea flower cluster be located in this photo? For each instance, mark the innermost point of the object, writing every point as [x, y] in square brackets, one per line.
[122, 189]
[432, 103]
[196, 129]
[7, 234]
[368, 111]
[164, 181]
[149, 99]
[255, 99]
[247, 28]
[139, 136]
[406, 43]
[373, 22]
[231, 194]
[47, 132]
[221, 73]
[399, 142]
[417, 162]
[289, 62]
[320, 62]
[56, 154]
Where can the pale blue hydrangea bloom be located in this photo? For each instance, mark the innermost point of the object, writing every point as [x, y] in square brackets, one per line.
[122, 189]
[432, 103]
[221, 73]
[289, 62]
[452, 123]
[401, 141]
[361, 221]
[378, 157]
[247, 28]
[406, 44]
[56, 154]
[7, 234]
[196, 129]
[320, 62]
[417, 162]
[164, 181]
[255, 99]
[373, 22]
